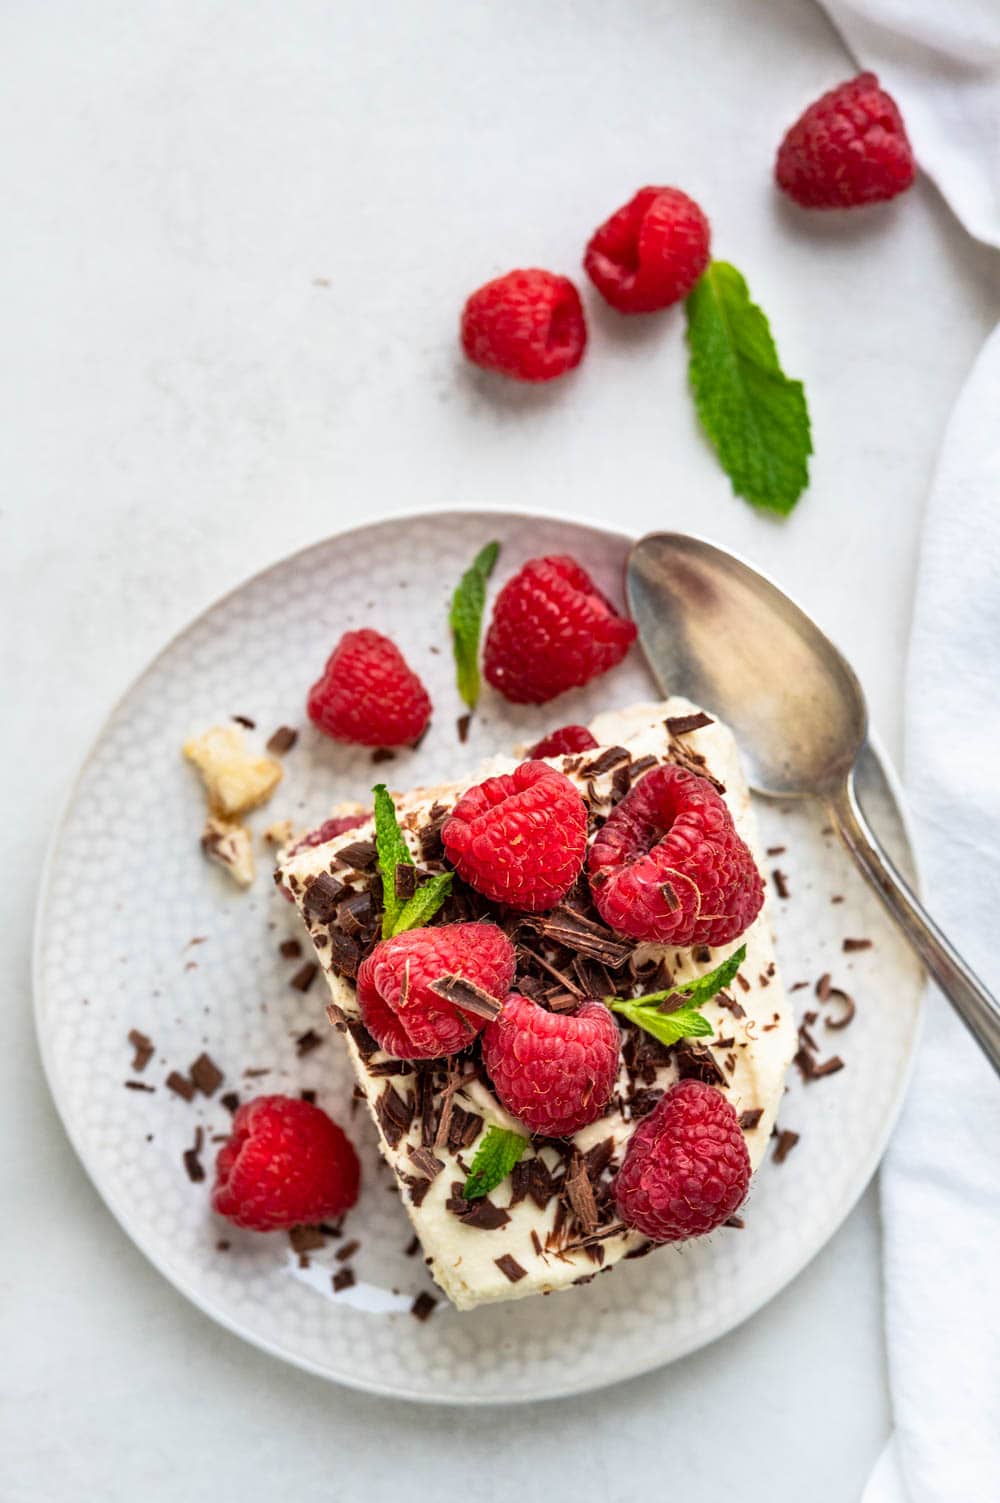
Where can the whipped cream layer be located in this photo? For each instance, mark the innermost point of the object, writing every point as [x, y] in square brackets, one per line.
[552, 1223]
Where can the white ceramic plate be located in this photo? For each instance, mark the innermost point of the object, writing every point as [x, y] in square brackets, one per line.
[127, 894]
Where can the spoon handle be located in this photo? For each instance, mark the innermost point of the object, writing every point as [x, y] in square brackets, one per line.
[978, 1009]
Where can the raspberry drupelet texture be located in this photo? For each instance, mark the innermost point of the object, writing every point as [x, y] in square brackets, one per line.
[848, 149]
[555, 1071]
[368, 694]
[563, 742]
[651, 251]
[669, 866]
[285, 1164]
[686, 1169]
[398, 1006]
[527, 324]
[520, 838]
[552, 630]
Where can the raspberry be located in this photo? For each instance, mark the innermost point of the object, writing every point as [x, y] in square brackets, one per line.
[552, 630]
[849, 148]
[651, 251]
[519, 838]
[527, 324]
[560, 743]
[399, 1009]
[668, 865]
[285, 1164]
[368, 694]
[553, 1070]
[686, 1169]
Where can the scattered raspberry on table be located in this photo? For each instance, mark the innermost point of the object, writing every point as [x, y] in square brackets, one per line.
[368, 694]
[527, 324]
[552, 630]
[651, 251]
[848, 149]
[285, 1164]
[669, 866]
[686, 1168]
[520, 838]
[407, 1018]
[563, 742]
[555, 1071]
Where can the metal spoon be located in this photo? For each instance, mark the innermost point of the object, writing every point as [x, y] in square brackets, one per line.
[719, 633]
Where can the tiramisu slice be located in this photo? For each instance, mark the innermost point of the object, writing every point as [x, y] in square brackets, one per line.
[554, 1219]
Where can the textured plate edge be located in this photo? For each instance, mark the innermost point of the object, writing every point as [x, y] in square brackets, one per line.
[177, 1279]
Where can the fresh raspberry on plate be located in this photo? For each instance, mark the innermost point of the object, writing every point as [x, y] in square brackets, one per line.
[848, 149]
[400, 1006]
[368, 695]
[686, 1169]
[668, 865]
[527, 324]
[519, 838]
[553, 1070]
[651, 251]
[561, 743]
[284, 1164]
[552, 630]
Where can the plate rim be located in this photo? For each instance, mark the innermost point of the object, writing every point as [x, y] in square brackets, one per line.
[163, 1264]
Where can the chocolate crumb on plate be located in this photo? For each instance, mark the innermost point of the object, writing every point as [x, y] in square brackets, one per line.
[347, 1251]
[291, 949]
[306, 1239]
[144, 1050]
[192, 1163]
[850, 945]
[423, 1306]
[138, 1085]
[383, 754]
[180, 1085]
[786, 1141]
[462, 726]
[412, 1247]
[230, 1101]
[343, 1279]
[282, 740]
[846, 1001]
[222, 1245]
[245, 721]
[736, 1222]
[510, 1268]
[780, 883]
[206, 1075]
[776, 850]
[304, 976]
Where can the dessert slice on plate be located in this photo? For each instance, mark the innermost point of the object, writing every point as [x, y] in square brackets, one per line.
[497, 998]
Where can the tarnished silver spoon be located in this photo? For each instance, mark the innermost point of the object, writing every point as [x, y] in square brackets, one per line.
[719, 633]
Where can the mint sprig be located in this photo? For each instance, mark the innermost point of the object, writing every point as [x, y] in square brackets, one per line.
[495, 1157]
[466, 619]
[399, 914]
[685, 1021]
[755, 416]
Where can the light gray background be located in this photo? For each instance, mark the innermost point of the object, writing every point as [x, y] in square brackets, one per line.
[236, 241]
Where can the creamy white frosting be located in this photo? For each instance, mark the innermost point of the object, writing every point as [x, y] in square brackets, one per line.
[463, 1259]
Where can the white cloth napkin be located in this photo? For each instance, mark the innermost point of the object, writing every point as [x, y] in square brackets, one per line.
[940, 1180]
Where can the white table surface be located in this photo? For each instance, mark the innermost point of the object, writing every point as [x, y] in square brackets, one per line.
[185, 399]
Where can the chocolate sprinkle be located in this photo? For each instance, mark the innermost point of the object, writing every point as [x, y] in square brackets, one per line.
[144, 1050]
[780, 883]
[180, 1085]
[465, 995]
[138, 1085]
[786, 1141]
[306, 1239]
[510, 1268]
[749, 1119]
[423, 1306]
[323, 894]
[347, 1251]
[394, 1115]
[193, 1165]
[580, 1193]
[206, 1075]
[343, 1279]
[462, 726]
[304, 976]
[850, 945]
[681, 725]
[290, 949]
[282, 740]
[307, 1042]
[609, 758]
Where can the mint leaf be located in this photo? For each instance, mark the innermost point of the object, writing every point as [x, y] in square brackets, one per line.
[392, 852]
[756, 418]
[495, 1158]
[426, 901]
[466, 618]
[668, 1027]
[685, 1022]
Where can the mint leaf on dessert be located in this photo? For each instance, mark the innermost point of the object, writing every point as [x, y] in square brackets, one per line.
[704, 988]
[754, 415]
[495, 1157]
[668, 1027]
[466, 619]
[392, 852]
[424, 904]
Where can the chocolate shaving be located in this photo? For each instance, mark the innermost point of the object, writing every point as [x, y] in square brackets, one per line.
[394, 1115]
[609, 758]
[406, 880]
[850, 945]
[682, 725]
[642, 766]
[206, 1075]
[695, 1062]
[465, 995]
[382, 754]
[847, 1003]
[463, 1129]
[536, 1243]
[347, 1251]
[427, 1162]
[736, 1222]
[530, 1177]
[583, 936]
[669, 896]
[749, 1119]
[306, 1238]
[309, 1096]
[307, 1042]
[192, 1161]
[462, 726]
[144, 1050]
[481, 1214]
[180, 1085]
[282, 740]
[337, 1016]
[354, 914]
[786, 1141]
[510, 1268]
[323, 894]
[412, 1247]
[780, 882]
[808, 1067]
[230, 1101]
[343, 1279]
[621, 782]
[345, 956]
[290, 949]
[245, 721]
[418, 1188]
[580, 1193]
[598, 1158]
[139, 1085]
[642, 1102]
[423, 1306]
[304, 976]
[360, 855]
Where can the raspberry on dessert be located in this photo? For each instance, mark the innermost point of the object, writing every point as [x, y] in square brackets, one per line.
[285, 1164]
[552, 630]
[686, 1168]
[651, 251]
[527, 324]
[368, 694]
[564, 741]
[848, 149]
[520, 838]
[669, 866]
[553, 1070]
[405, 985]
